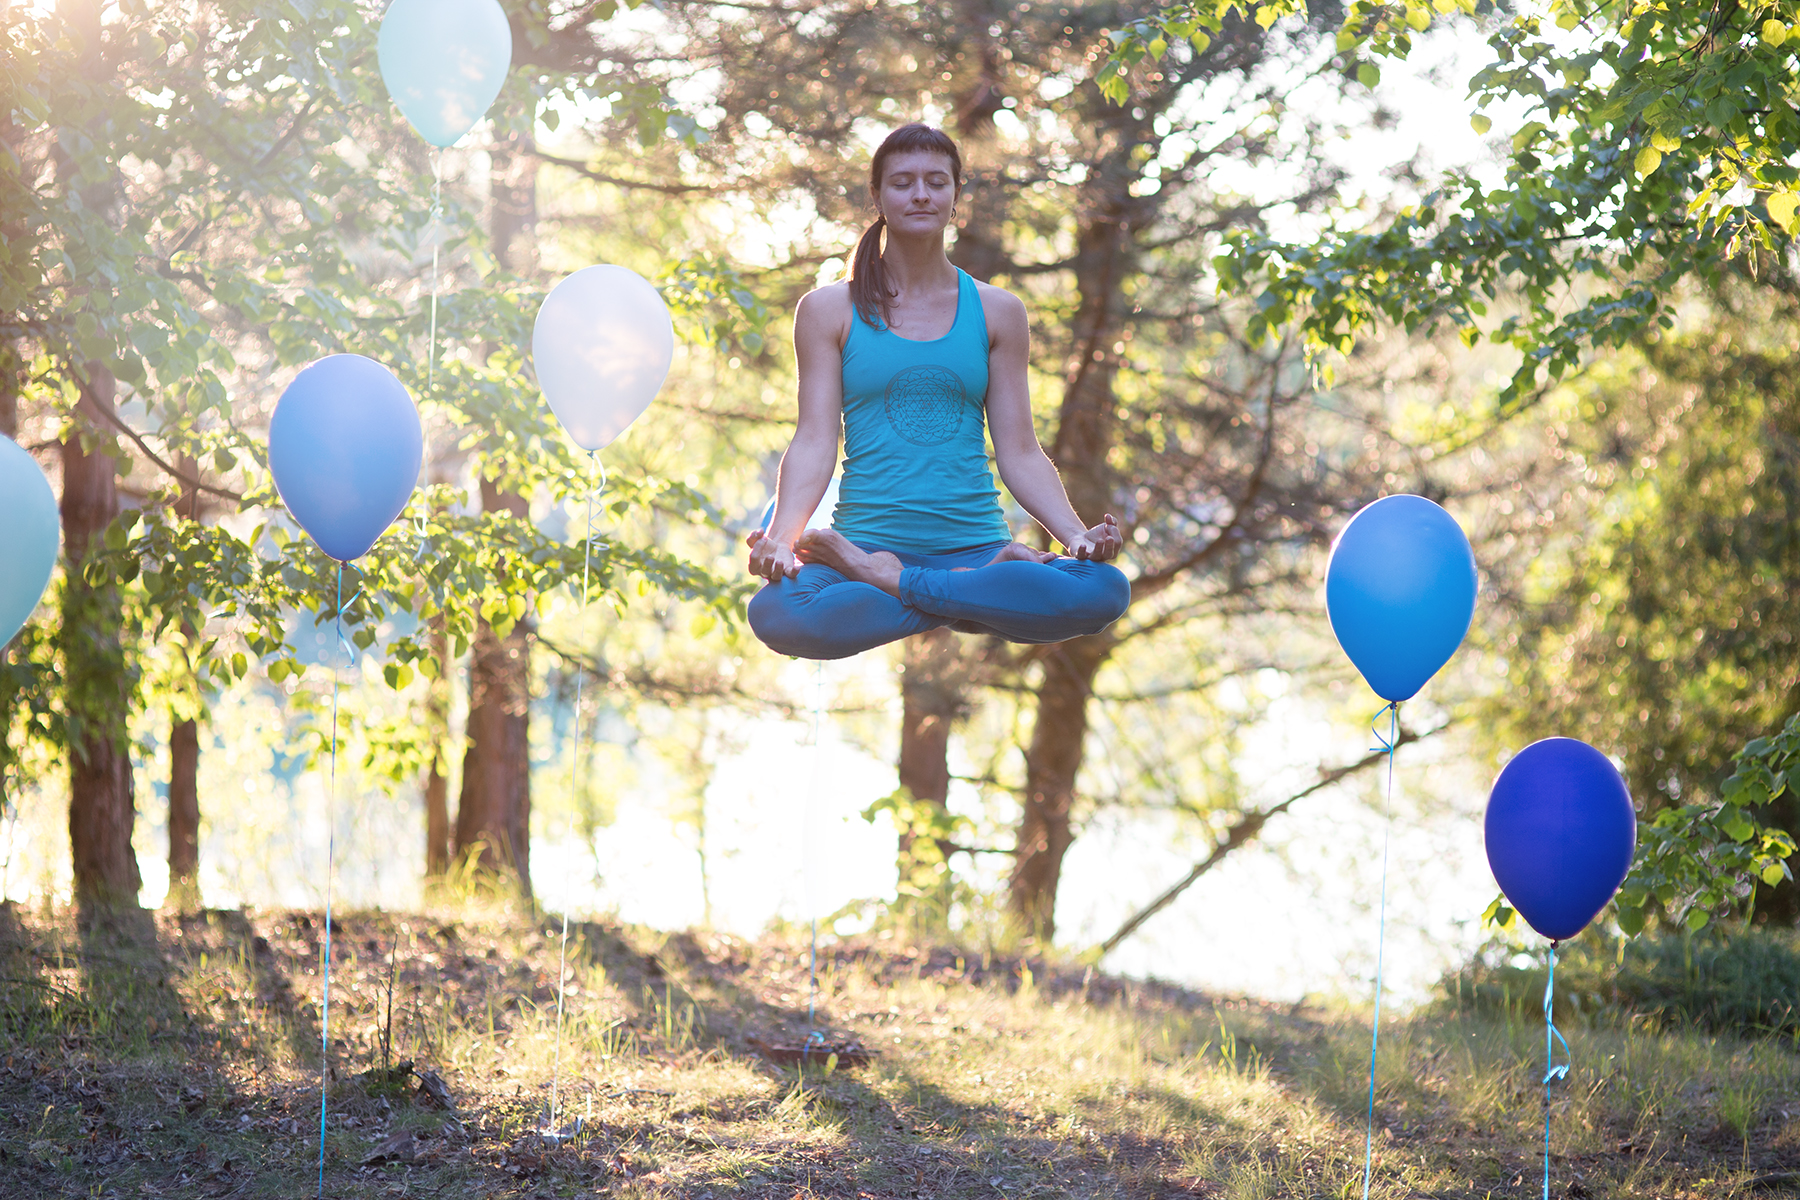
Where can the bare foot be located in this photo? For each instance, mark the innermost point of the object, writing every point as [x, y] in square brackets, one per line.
[1014, 552]
[834, 550]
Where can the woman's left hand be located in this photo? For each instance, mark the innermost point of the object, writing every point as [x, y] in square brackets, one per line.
[1100, 544]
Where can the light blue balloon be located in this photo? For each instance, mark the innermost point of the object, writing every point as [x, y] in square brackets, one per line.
[443, 62]
[1400, 591]
[345, 447]
[30, 536]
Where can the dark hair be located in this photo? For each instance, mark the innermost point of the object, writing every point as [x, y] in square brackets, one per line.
[869, 289]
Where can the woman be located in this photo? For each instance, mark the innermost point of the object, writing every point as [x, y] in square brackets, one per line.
[910, 357]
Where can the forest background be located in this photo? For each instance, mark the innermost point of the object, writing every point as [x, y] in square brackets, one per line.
[203, 197]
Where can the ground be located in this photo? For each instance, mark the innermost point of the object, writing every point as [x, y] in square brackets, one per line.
[168, 1055]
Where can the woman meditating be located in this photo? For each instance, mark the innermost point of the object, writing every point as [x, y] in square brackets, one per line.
[914, 360]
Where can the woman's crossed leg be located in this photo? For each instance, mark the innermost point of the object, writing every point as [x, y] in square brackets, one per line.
[847, 598]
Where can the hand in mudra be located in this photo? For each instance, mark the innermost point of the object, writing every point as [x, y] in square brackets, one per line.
[1100, 544]
[769, 559]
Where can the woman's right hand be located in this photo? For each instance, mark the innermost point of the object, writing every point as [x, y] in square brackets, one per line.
[771, 559]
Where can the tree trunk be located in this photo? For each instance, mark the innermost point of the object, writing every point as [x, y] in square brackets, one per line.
[437, 787]
[494, 810]
[1085, 431]
[1051, 765]
[184, 815]
[184, 761]
[101, 808]
[934, 687]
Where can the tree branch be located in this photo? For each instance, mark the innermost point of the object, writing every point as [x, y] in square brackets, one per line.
[1244, 831]
[667, 189]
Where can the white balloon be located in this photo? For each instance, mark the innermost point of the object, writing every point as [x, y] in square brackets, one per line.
[821, 516]
[602, 347]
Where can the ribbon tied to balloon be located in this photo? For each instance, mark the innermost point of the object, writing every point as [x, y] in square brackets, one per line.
[444, 62]
[1560, 832]
[601, 347]
[345, 447]
[1400, 593]
[29, 537]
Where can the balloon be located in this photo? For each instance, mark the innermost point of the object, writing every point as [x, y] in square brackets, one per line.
[345, 447]
[1400, 590]
[1560, 834]
[29, 536]
[602, 347]
[443, 62]
[821, 516]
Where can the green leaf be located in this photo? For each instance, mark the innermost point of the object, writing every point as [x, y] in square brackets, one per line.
[1646, 162]
[1631, 920]
[1781, 206]
[1696, 920]
[1481, 122]
[1773, 874]
[1774, 32]
[1368, 74]
[1738, 829]
[278, 670]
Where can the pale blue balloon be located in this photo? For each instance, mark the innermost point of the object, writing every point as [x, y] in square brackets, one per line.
[345, 446]
[1400, 592]
[444, 61]
[29, 536]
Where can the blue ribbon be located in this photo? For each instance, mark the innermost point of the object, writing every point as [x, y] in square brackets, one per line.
[1392, 709]
[1553, 1071]
[330, 867]
[589, 543]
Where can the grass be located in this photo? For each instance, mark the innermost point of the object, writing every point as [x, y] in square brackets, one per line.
[178, 1056]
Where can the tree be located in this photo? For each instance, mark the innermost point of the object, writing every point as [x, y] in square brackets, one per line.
[1102, 216]
[262, 207]
[1659, 624]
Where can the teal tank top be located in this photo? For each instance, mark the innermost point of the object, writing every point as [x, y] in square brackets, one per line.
[916, 474]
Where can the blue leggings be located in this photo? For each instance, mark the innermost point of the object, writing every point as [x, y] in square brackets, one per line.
[821, 614]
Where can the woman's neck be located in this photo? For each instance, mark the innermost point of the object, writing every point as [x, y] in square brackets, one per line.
[916, 264]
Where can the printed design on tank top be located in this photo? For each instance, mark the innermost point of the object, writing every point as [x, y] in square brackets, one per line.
[925, 404]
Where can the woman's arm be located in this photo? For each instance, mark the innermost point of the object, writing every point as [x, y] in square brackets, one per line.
[811, 457]
[1024, 467]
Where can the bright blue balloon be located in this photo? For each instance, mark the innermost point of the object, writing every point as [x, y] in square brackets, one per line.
[444, 61]
[1560, 834]
[29, 536]
[1400, 591]
[345, 446]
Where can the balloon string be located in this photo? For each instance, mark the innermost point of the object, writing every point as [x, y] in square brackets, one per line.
[1553, 1070]
[330, 863]
[1387, 747]
[437, 211]
[595, 487]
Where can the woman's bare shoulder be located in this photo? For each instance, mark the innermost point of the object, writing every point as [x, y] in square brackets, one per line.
[1004, 311]
[829, 303]
[825, 312]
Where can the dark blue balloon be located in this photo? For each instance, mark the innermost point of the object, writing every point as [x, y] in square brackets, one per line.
[1400, 591]
[1560, 834]
[345, 446]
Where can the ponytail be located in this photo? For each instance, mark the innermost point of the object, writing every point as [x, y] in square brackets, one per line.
[869, 290]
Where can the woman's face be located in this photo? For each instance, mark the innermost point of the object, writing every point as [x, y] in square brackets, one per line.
[917, 192]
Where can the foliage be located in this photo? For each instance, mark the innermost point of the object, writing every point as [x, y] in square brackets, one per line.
[216, 193]
[1656, 147]
[1744, 983]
